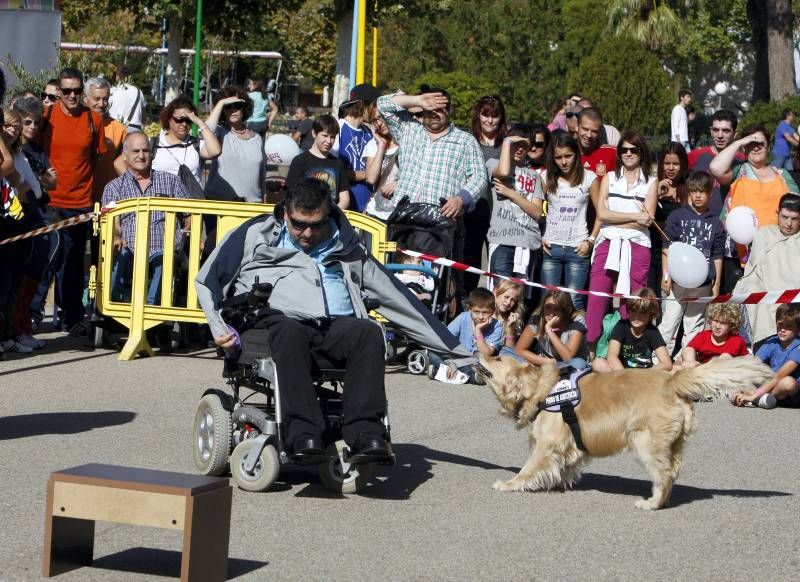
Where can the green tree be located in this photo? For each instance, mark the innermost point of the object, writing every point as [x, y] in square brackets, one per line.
[634, 91]
[654, 23]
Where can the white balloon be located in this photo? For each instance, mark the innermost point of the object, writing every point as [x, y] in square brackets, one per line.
[280, 149]
[742, 224]
[686, 265]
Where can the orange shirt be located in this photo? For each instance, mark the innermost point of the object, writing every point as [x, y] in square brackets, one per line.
[104, 171]
[68, 142]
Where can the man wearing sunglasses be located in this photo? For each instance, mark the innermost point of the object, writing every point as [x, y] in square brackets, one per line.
[73, 137]
[320, 273]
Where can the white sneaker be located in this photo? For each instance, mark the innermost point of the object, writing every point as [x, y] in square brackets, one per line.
[30, 341]
[13, 347]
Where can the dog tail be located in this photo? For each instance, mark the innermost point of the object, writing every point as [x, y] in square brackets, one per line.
[720, 377]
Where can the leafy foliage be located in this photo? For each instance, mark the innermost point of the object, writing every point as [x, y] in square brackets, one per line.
[769, 113]
[629, 82]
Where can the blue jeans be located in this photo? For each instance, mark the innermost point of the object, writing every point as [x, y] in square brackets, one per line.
[784, 162]
[69, 266]
[121, 278]
[577, 363]
[575, 269]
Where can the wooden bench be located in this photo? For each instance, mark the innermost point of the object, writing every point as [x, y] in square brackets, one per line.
[77, 497]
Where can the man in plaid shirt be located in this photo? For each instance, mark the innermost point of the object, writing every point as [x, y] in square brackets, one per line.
[139, 181]
[440, 164]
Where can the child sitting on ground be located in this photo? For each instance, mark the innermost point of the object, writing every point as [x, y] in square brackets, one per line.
[419, 283]
[782, 353]
[476, 329]
[556, 333]
[510, 306]
[722, 339]
[635, 340]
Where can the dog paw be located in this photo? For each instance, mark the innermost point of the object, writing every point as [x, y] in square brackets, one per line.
[646, 504]
[501, 485]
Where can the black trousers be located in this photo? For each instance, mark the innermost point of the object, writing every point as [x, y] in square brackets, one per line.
[356, 345]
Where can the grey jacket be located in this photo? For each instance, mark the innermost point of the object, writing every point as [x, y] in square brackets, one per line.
[251, 251]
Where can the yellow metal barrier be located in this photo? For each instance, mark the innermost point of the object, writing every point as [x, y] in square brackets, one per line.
[137, 315]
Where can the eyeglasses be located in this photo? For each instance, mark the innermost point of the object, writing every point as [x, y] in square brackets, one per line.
[633, 150]
[300, 226]
[12, 126]
[538, 145]
[71, 90]
[570, 114]
[184, 120]
[48, 96]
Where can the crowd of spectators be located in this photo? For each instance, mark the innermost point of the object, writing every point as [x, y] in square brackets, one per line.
[575, 203]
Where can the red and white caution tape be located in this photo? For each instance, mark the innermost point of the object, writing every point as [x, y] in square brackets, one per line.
[80, 218]
[763, 297]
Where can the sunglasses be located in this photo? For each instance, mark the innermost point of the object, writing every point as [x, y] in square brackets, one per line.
[486, 98]
[538, 144]
[48, 97]
[12, 126]
[626, 150]
[71, 91]
[754, 145]
[184, 120]
[233, 107]
[28, 122]
[300, 226]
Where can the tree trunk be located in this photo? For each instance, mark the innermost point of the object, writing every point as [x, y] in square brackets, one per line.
[173, 75]
[780, 49]
[757, 14]
[341, 84]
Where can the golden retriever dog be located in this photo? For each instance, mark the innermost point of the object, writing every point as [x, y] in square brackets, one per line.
[650, 412]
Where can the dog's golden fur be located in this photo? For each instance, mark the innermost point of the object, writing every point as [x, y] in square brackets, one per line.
[649, 412]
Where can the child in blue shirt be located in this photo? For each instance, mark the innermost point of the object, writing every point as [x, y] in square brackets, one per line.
[476, 329]
[782, 353]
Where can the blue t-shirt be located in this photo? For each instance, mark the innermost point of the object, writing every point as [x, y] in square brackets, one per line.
[259, 107]
[782, 147]
[351, 152]
[772, 354]
[461, 327]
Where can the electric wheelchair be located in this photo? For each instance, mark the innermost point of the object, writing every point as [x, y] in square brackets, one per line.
[244, 433]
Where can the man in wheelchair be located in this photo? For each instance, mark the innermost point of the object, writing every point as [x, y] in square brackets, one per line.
[320, 275]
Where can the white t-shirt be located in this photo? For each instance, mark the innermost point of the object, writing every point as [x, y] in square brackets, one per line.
[379, 205]
[566, 211]
[679, 124]
[509, 224]
[169, 158]
[121, 104]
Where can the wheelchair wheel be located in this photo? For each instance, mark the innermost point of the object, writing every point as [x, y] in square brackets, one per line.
[339, 481]
[265, 472]
[211, 436]
[418, 362]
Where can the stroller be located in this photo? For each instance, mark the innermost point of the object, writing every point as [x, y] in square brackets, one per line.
[423, 228]
[233, 431]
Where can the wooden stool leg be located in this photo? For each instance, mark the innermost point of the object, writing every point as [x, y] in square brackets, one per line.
[205, 536]
[68, 544]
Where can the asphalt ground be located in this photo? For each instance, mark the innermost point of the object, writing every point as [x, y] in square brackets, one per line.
[734, 513]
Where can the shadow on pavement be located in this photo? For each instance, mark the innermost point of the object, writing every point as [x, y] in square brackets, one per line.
[681, 494]
[414, 467]
[27, 425]
[52, 364]
[156, 562]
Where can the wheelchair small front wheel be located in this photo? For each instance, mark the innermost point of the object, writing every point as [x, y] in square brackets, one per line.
[264, 474]
[418, 361]
[211, 436]
[335, 478]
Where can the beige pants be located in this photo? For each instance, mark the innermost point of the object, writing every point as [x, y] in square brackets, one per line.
[692, 314]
